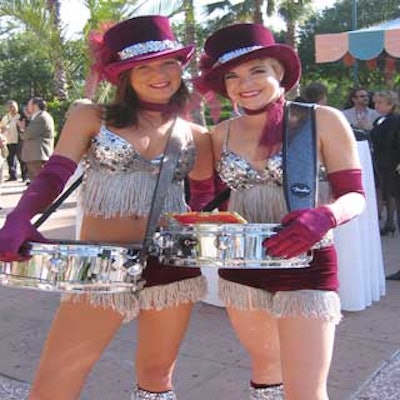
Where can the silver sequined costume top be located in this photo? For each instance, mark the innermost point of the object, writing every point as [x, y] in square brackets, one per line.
[258, 195]
[119, 181]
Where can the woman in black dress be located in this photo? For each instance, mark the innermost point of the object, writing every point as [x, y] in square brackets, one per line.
[386, 152]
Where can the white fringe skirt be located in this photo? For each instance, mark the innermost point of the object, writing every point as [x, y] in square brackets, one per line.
[319, 304]
[159, 297]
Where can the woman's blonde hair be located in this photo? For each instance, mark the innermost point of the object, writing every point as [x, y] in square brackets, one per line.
[13, 103]
[390, 96]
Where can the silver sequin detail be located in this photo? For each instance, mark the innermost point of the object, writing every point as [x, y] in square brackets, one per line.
[236, 53]
[238, 173]
[112, 154]
[120, 181]
[271, 393]
[151, 46]
[258, 195]
[140, 394]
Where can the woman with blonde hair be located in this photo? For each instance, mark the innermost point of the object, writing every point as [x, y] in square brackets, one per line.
[386, 153]
[284, 317]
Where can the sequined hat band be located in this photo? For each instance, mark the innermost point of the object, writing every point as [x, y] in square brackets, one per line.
[151, 46]
[235, 53]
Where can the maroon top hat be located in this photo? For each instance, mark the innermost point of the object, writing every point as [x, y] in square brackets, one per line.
[139, 40]
[235, 44]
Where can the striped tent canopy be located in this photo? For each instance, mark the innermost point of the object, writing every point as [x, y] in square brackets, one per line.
[361, 44]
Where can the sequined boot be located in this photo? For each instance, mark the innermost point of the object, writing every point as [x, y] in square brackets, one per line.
[140, 394]
[268, 393]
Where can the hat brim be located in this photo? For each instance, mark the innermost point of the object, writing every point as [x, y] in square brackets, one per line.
[214, 79]
[113, 70]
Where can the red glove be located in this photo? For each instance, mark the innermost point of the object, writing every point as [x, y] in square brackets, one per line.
[301, 230]
[304, 228]
[17, 230]
[38, 196]
[201, 192]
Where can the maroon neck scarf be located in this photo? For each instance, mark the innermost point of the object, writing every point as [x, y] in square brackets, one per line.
[167, 109]
[273, 129]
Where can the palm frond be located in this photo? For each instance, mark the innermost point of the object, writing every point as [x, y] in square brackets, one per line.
[160, 7]
[33, 14]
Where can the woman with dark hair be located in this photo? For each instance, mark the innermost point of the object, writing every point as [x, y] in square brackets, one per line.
[123, 145]
[285, 317]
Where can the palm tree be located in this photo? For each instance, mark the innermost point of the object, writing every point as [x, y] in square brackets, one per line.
[60, 76]
[42, 17]
[293, 13]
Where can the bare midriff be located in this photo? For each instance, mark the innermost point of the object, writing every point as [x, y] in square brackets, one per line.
[119, 230]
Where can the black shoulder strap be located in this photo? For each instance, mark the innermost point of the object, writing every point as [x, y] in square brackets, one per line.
[169, 162]
[300, 162]
[217, 200]
[57, 203]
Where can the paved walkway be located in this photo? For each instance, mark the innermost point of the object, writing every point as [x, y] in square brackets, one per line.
[212, 365]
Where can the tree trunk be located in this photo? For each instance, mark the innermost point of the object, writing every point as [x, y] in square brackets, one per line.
[258, 17]
[291, 40]
[60, 76]
[291, 34]
[190, 37]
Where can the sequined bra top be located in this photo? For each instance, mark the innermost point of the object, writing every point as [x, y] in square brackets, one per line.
[119, 181]
[238, 173]
[258, 195]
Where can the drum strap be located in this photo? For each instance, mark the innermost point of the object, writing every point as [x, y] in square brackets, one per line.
[217, 200]
[164, 179]
[300, 163]
[53, 207]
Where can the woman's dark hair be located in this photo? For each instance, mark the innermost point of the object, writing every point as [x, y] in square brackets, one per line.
[124, 110]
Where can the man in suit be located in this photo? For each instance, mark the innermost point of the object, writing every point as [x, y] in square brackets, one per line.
[38, 136]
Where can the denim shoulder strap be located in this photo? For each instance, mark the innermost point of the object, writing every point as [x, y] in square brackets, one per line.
[300, 161]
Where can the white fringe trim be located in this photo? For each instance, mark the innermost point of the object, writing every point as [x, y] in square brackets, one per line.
[318, 304]
[171, 295]
[266, 203]
[259, 204]
[243, 297]
[109, 194]
[315, 304]
[128, 305]
[324, 193]
[125, 304]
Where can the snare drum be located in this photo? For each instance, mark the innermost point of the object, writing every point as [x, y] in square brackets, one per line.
[72, 266]
[221, 246]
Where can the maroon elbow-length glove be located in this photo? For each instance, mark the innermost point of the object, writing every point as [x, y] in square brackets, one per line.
[201, 192]
[37, 197]
[303, 228]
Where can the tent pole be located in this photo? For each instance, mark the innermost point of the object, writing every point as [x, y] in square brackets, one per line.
[354, 27]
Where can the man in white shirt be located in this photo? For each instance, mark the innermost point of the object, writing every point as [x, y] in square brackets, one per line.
[360, 116]
[8, 127]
